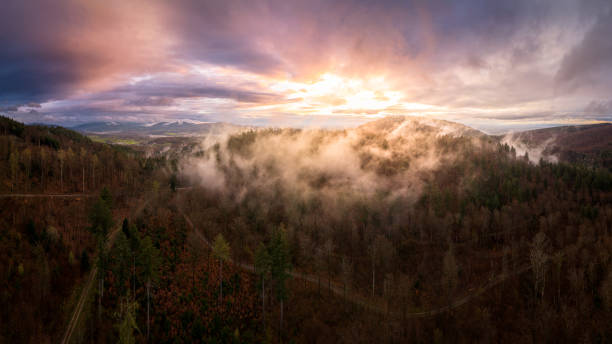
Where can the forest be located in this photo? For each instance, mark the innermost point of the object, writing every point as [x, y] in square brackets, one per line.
[400, 230]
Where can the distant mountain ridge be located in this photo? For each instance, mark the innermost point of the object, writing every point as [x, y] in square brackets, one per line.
[176, 128]
[407, 125]
[590, 144]
[578, 137]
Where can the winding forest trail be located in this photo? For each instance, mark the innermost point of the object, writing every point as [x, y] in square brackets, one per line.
[379, 307]
[74, 319]
[27, 195]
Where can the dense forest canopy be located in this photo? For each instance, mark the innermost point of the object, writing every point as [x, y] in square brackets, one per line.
[420, 208]
[405, 229]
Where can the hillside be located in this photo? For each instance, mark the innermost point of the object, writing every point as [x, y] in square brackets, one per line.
[422, 229]
[50, 177]
[586, 144]
[402, 230]
[408, 125]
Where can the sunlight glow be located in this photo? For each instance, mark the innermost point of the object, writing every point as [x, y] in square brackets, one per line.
[335, 94]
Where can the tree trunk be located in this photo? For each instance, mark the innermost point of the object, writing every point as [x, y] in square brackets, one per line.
[101, 294]
[83, 179]
[373, 276]
[148, 303]
[99, 298]
[263, 300]
[329, 273]
[220, 281]
[42, 169]
[280, 329]
[193, 277]
[134, 276]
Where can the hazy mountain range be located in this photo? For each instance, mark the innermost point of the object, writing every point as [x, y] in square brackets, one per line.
[176, 128]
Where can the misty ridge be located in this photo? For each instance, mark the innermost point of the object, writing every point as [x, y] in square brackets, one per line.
[536, 152]
[415, 212]
[393, 178]
[395, 157]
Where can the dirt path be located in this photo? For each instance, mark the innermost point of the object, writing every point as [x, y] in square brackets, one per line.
[25, 195]
[374, 305]
[74, 320]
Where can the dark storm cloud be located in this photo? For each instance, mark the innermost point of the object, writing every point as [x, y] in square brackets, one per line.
[8, 109]
[165, 93]
[48, 49]
[599, 107]
[155, 91]
[33, 66]
[35, 77]
[592, 56]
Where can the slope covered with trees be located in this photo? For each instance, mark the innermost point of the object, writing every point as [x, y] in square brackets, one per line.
[403, 229]
[412, 216]
[50, 179]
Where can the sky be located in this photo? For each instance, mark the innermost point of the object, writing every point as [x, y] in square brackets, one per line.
[494, 65]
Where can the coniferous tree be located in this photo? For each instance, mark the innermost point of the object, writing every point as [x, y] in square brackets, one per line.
[127, 324]
[100, 218]
[106, 196]
[280, 267]
[221, 250]
[122, 261]
[102, 265]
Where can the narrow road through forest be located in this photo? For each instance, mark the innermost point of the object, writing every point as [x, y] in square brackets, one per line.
[74, 320]
[379, 307]
[27, 195]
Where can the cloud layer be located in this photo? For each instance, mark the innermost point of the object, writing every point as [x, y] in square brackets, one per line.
[278, 62]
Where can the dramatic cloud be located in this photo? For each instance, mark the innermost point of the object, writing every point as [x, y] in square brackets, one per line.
[53, 49]
[591, 60]
[347, 60]
[599, 107]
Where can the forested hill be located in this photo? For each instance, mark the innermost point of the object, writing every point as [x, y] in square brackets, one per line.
[53, 159]
[50, 180]
[415, 219]
[583, 144]
[400, 230]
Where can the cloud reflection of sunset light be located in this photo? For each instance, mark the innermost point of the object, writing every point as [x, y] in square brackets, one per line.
[469, 61]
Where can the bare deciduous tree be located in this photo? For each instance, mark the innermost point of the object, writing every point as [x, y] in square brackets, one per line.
[538, 258]
[450, 272]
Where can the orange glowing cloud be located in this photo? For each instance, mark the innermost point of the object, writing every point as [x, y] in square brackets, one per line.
[235, 60]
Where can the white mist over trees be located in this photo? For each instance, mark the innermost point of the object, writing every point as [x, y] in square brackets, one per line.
[390, 155]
